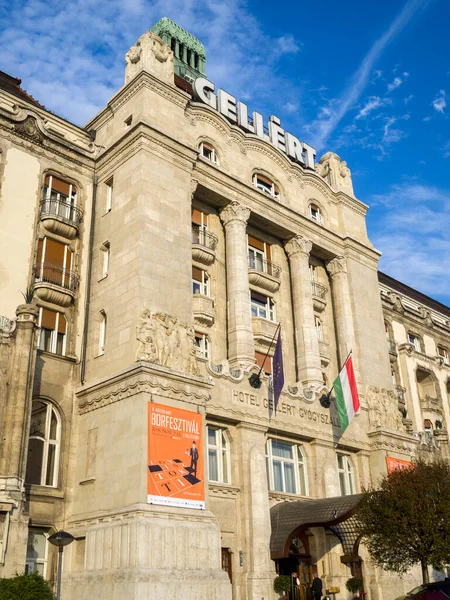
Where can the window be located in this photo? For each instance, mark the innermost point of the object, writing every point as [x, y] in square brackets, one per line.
[37, 552]
[259, 255]
[286, 467]
[345, 471]
[414, 340]
[102, 333]
[315, 214]
[208, 151]
[262, 306]
[443, 353]
[202, 345]
[105, 250]
[199, 227]
[218, 455]
[54, 264]
[109, 194]
[266, 185]
[200, 282]
[60, 198]
[52, 335]
[319, 328]
[262, 360]
[43, 445]
[313, 273]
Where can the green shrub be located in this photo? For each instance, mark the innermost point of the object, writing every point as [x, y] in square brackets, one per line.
[353, 585]
[281, 584]
[25, 587]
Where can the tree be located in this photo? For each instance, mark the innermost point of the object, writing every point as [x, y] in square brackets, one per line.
[407, 520]
[25, 587]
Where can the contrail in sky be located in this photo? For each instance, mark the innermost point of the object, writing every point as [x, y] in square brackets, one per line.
[359, 80]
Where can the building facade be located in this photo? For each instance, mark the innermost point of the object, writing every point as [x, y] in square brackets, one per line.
[158, 249]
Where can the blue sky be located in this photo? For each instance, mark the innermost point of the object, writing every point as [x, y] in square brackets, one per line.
[368, 80]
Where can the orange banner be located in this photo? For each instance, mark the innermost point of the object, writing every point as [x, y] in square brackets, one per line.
[175, 475]
[396, 464]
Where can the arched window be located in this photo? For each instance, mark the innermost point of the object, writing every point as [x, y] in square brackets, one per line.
[43, 445]
[345, 471]
[286, 467]
[218, 455]
[266, 185]
[209, 152]
[316, 214]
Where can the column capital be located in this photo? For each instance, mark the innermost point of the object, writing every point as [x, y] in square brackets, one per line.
[337, 265]
[235, 212]
[298, 244]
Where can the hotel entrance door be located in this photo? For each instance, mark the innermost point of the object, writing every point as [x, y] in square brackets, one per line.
[304, 571]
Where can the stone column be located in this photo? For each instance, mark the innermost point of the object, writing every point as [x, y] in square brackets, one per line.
[241, 346]
[342, 308]
[309, 370]
[255, 579]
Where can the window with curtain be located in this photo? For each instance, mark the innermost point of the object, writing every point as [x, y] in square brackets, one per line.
[286, 467]
[37, 552]
[52, 333]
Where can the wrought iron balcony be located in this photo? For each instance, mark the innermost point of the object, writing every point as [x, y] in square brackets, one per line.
[55, 284]
[204, 245]
[265, 266]
[61, 217]
[263, 274]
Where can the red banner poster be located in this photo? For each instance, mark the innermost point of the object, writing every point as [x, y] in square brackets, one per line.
[395, 464]
[175, 474]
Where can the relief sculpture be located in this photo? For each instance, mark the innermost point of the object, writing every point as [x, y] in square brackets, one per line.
[383, 409]
[164, 340]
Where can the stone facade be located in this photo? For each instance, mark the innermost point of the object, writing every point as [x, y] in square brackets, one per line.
[165, 245]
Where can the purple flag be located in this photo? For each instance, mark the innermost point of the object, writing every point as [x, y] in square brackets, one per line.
[278, 373]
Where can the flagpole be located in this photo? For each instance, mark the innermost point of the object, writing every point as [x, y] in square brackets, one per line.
[328, 396]
[255, 378]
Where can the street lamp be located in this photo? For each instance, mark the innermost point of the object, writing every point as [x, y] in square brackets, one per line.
[60, 539]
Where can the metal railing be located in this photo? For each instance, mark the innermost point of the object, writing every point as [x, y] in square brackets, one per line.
[262, 264]
[318, 289]
[203, 237]
[56, 275]
[62, 209]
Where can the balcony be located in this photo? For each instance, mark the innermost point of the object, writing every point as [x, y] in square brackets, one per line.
[263, 331]
[204, 245]
[203, 309]
[61, 217]
[55, 284]
[263, 274]
[319, 295]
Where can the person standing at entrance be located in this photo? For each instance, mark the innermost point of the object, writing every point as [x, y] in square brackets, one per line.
[294, 590]
[316, 587]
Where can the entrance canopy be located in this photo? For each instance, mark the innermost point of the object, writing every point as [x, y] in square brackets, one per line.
[290, 517]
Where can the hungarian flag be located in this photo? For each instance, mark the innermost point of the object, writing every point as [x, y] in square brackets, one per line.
[347, 401]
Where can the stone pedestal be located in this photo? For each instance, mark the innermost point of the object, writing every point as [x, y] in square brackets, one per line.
[241, 347]
[309, 371]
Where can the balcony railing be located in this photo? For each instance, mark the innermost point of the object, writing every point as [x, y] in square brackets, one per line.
[47, 273]
[318, 290]
[203, 237]
[265, 266]
[61, 208]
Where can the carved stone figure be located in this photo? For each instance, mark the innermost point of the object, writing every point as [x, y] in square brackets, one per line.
[336, 173]
[383, 409]
[164, 340]
[133, 55]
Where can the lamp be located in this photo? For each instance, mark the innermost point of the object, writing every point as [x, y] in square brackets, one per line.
[60, 539]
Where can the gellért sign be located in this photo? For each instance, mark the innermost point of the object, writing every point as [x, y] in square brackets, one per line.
[237, 112]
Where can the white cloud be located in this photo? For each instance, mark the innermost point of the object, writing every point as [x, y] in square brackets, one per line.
[392, 135]
[439, 103]
[70, 55]
[408, 98]
[372, 103]
[414, 211]
[351, 94]
[377, 73]
[394, 84]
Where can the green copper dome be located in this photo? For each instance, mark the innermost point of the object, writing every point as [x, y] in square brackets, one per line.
[189, 53]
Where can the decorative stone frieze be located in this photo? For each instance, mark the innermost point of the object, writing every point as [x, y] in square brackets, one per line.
[383, 409]
[165, 340]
